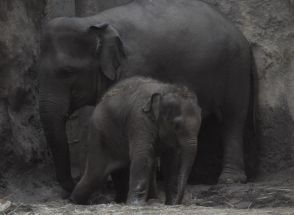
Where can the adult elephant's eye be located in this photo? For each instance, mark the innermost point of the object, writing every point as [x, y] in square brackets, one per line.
[177, 123]
[66, 72]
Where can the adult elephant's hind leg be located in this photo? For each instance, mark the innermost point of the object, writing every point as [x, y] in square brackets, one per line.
[233, 157]
[235, 113]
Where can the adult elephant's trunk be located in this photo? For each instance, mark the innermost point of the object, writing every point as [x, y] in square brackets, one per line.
[53, 114]
[187, 157]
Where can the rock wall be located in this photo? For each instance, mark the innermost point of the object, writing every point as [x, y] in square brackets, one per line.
[56, 8]
[267, 24]
[91, 7]
[20, 133]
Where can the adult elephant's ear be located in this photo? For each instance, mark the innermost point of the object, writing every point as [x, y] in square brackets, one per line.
[152, 107]
[109, 48]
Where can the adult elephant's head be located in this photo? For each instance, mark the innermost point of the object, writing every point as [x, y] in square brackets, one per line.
[77, 64]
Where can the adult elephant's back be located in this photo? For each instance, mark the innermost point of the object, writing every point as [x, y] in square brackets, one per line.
[182, 41]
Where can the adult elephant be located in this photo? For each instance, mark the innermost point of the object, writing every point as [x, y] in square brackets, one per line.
[180, 41]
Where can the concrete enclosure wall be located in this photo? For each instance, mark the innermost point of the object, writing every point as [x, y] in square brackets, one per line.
[267, 24]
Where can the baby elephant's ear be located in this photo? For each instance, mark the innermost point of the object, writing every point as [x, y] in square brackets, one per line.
[152, 106]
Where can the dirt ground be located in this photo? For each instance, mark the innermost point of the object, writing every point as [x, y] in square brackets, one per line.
[35, 191]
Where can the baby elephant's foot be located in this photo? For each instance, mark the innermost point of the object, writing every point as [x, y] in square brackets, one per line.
[67, 185]
[232, 176]
[154, 202]
[78, 197]
[136, 200]
[65, 194]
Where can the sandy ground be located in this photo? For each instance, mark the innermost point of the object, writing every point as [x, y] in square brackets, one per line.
[34, 191]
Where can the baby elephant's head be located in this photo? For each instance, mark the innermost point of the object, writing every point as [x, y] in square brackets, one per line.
[178, 118]
[177, 115]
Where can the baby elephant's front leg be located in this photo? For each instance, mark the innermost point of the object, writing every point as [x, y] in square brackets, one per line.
[142, 165]
[93, 178]
[86, 186]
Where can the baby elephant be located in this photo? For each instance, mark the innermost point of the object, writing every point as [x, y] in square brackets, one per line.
[136, 121]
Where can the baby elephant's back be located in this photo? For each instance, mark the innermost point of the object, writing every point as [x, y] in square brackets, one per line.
[132, 95]
[131, 89]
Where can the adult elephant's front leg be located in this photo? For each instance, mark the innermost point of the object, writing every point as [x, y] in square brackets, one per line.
[233, 159]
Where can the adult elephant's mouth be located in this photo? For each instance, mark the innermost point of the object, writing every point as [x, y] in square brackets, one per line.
[76, 103]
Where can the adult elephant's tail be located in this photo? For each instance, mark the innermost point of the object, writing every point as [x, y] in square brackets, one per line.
[251, 145]
[254, 94]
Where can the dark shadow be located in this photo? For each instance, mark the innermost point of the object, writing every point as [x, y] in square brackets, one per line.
[208, 163]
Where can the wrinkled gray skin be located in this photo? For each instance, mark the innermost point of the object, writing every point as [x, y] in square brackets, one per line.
[181, 41]
[137, 120]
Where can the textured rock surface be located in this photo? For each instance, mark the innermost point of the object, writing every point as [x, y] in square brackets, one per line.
[20, 132]
[91, 7]
[56, 8]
